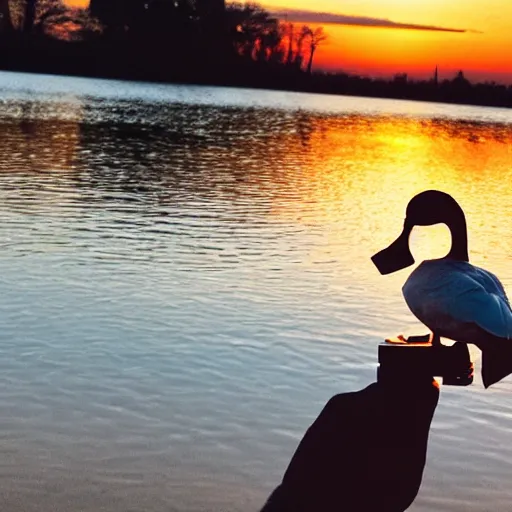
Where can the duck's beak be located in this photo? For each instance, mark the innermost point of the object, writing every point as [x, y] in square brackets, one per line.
[397, 256]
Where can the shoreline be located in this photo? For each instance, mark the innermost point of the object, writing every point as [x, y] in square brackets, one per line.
[265, 86]
[132, 63]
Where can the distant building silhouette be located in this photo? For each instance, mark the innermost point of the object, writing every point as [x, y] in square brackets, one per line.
[400, 78]
[460, 78]
[436, 77]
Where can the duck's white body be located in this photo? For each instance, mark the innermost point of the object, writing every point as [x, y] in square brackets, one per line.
[459, 301]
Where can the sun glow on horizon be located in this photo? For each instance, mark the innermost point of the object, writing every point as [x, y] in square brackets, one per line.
[481, 52]
[389, 51]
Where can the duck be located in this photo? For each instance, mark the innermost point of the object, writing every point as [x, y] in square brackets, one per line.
[451, 297]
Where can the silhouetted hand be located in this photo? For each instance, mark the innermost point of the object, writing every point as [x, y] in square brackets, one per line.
[366, 451]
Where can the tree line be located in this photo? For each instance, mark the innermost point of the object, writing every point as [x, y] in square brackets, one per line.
[194, 29]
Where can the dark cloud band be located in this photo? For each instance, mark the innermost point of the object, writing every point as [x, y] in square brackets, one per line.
[303, 16]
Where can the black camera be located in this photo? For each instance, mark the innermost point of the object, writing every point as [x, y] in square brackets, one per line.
[414, 357]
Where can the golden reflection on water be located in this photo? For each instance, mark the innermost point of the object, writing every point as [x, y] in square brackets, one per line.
[346, 178]
[38, 147]
[349, 176]
[361, 172]
[160, 205]
[40, 137]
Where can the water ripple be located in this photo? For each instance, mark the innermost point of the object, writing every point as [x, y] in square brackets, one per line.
[186, 280]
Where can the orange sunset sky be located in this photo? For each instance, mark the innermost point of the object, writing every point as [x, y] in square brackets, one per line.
[483, 50]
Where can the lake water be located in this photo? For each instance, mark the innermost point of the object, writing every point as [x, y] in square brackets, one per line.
[186, 280]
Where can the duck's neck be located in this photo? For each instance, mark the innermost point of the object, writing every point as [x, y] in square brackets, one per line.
[459, 232]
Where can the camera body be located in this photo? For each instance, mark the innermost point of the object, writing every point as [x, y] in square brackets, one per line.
[407, 360]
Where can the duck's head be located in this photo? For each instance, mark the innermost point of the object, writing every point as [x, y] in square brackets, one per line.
[425, 209]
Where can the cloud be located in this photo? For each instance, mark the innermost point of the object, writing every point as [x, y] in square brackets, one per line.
[303, 16]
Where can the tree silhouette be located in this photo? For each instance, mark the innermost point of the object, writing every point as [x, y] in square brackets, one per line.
[316, 37]
[193, 40]
[30, 15]
[49, 14]
[269, 45]
[119, 16]
[51, 17]
[6, 23]
[304, 32]
[288, 30]
[254, 32]
[68, 24]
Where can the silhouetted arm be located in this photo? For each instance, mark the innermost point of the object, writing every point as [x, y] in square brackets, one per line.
[366, 451]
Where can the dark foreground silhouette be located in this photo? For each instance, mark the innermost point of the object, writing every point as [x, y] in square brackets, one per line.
[366, 451]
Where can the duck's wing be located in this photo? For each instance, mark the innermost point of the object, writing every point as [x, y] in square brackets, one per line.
[469, 294]
[489, 281]
[489, 311]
